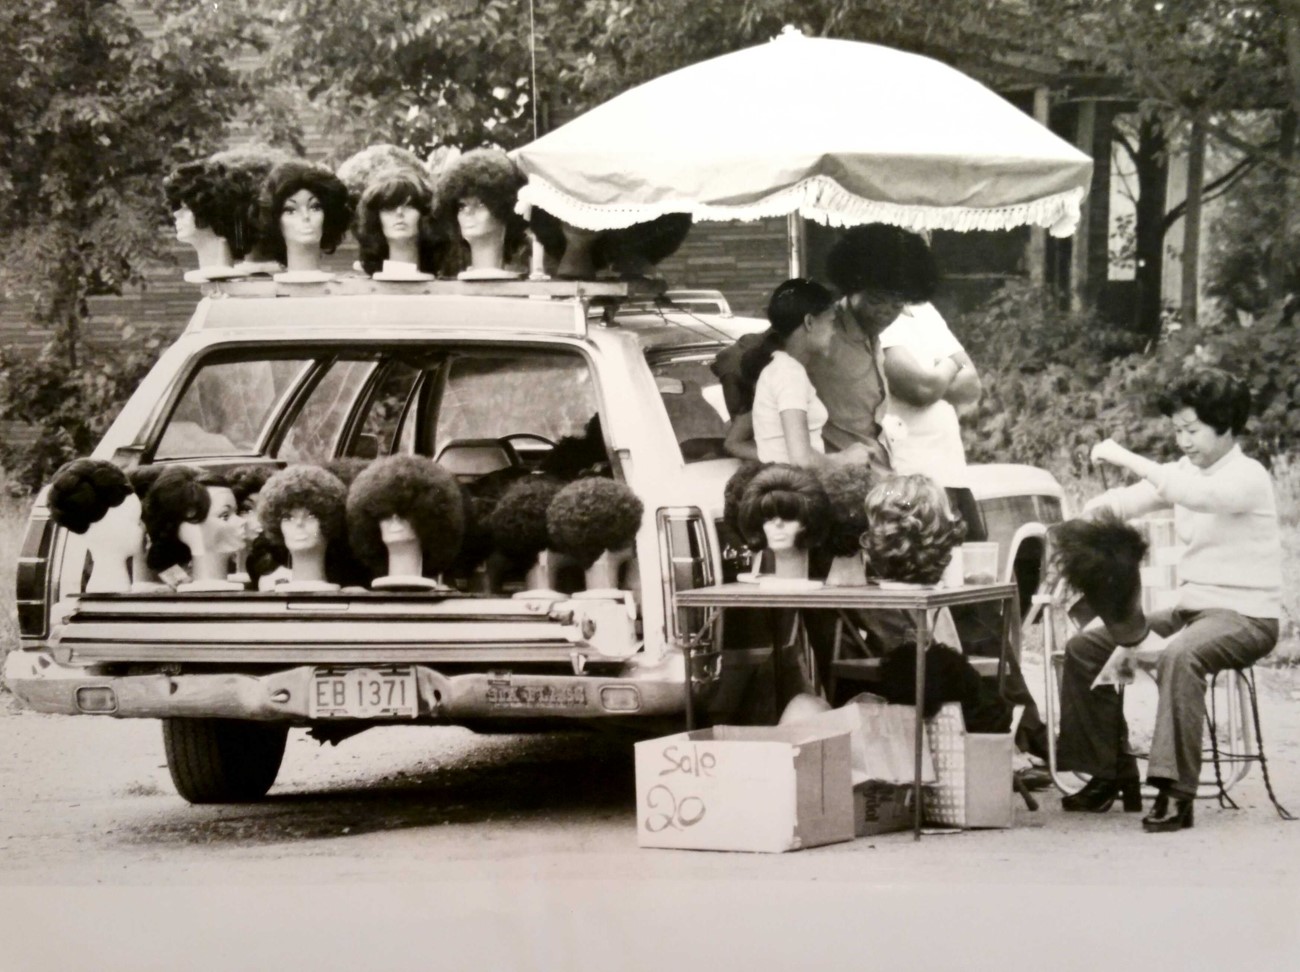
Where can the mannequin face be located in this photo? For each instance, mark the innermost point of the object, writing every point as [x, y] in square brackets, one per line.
[475, 220]
[400, 223]
[396, 529]
[782, 534]
[223, 530]
[302, 218]
[301, 530]
[186, 226]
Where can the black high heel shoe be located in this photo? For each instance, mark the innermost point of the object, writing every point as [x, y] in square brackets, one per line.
[1098, 795]
[1168, 814]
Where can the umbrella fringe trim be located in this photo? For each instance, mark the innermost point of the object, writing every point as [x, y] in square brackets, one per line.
[818, 198]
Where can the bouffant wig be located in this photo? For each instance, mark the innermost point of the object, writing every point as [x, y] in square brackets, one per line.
[785, 492]
[884, 259]
[490, 176]
[208, 191]
[142, 479]
[593, 515]
[179, 495]
[1101, 558]
[911, 530]
[518, 523]
[631, 250]
[310, 488]
[846, 489]
[734, 492]
[420, 492]
[245, 170]
[389, 192]
[284, 181]
[377, 162]
[83, 490]
[246, 482]
[1220, 400]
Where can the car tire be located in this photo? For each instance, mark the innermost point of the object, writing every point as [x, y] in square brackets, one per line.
[223, 760]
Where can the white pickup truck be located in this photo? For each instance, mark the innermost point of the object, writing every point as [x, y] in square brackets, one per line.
[478, 381]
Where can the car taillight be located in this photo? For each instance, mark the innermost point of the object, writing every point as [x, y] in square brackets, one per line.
[684, 548]
[33, 574]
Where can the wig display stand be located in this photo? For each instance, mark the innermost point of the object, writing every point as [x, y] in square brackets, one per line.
[306, 587]
[400, 582]
[847, 572]
[208, 586]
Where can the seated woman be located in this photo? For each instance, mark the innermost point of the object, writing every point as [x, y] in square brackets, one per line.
[1228, 607]
[787, 417]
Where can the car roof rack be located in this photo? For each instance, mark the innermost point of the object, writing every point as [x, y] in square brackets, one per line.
[351, 285]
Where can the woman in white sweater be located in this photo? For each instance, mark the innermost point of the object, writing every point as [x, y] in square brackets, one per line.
[1229, 601]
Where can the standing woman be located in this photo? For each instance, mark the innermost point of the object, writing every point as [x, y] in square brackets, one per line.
[787, 418]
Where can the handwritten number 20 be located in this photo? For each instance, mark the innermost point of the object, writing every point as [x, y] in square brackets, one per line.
[671, 813]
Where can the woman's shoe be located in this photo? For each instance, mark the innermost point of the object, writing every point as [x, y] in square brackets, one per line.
[1098, 795]
[1168, 813]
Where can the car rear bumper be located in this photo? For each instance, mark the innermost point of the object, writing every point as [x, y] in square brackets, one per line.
[282, 696]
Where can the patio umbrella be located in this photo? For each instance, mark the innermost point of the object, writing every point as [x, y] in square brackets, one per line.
[837, 131]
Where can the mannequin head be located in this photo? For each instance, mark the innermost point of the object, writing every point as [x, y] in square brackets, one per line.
[191, 514]
[245, 170]
[784, 508]
[911, 531]
[476, 203]
[95, 498]
[395, 221]
[400, 501]
[204, 211]
[591, 516]
[304, 510]
[303, 211]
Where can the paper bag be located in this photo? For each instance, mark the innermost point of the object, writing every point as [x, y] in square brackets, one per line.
[881, 740]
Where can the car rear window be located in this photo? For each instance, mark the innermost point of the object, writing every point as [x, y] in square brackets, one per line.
[692, 398]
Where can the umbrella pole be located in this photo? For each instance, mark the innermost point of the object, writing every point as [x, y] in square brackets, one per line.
[796, 245]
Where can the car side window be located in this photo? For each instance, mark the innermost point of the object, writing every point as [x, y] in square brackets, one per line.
[317, 426]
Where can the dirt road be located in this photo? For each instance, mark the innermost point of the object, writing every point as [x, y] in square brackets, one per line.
[87, 804]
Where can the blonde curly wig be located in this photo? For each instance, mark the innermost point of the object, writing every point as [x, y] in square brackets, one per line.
[911, 530]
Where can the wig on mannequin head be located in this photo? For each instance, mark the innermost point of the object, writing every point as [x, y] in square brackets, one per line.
[494, 179]
[389, 192]
[375, 163]
[416, 490]
[847, 488]
[246, 482]
[309, 488]
[911, 530]
[1101, 558]
[593, 515]
[884, 259]
[214, 194]
[179, 495]
[83, 491]
[632, 250]
[779, 491]
[734, 493]
[518, 521]
[284, 181]
[244, 170]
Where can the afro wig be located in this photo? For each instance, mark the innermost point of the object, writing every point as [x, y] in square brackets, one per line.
[481, 498]
[1101, 558]
[911, 530]
[311, 488]
[591, 516]
[291, 177]
[374, 164]
[492, 177]
[179, 495]
[785, 492]
[243, 171]
[83, 490]
[389, 192]
[883, 259]
[420, 492]
[846, 489]
[518, 523]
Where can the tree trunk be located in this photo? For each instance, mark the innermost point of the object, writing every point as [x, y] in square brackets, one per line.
[1192, 224]
[1153, 181]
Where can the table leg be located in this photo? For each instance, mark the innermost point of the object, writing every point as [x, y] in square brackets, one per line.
[922, 646]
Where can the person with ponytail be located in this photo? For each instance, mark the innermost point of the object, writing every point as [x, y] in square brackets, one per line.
[787, 416]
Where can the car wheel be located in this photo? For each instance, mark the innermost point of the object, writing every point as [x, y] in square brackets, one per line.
[223, 760]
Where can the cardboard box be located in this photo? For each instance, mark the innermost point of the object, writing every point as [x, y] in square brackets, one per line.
[974, 787]
[745, 788]
[882, 738]
[881, 808]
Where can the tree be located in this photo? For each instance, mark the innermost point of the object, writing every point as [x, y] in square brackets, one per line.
[95, 114]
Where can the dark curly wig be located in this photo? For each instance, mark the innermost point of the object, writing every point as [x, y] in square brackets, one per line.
[734, 492]
[375, 163]
[911, 530]
[884, 259]
[285, 180]
[632, 250]
[518, 523]
[593, 515]
[423, 494]
[389, 193]
[83, 490]
[788, 493]
[311, 488]
[179, 495]
[212, 193]
[847, 488]
[494, 179]
[577, 455]
[246, 482]
[142, 478]
[481, 498]
[1219, 399]
[245, 171]
[1101, 558]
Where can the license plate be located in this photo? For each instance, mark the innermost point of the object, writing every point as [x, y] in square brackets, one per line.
[364, 693]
